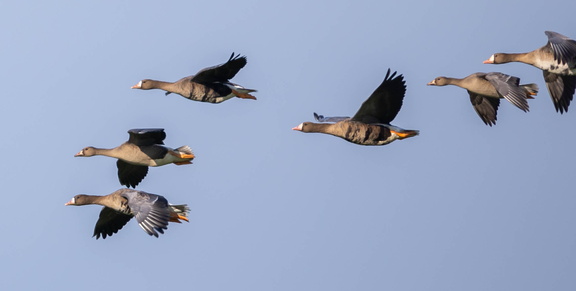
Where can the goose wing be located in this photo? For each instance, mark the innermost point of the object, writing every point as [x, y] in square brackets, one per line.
[110, 222]
[509, 87]
[151, 211]
[221, 73]
[385, 102]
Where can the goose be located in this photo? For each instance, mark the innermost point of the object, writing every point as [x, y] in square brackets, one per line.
[145, 148]
[208, 85]
[557, 60]
[371, 124]
[153, 212]
[486, 89]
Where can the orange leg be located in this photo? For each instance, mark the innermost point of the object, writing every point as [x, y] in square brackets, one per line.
[404, 135]
[174, 218]
[187, 156]
[182, 155]
[243, 95]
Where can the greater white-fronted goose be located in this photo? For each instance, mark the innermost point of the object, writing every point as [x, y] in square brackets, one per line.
[145, 148]
[371, 124]
[151, 211]
[557, 60]
[208, 85]
[486, 89]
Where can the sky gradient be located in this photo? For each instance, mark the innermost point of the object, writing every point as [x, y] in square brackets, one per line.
[462, 206]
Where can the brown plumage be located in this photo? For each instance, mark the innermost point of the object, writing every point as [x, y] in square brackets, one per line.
[486, 90]
[145, 148]
[557, 60]
[210, 85]
[151, 211]
[371, 124]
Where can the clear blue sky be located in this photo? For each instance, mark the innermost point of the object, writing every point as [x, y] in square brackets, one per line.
[463, 206]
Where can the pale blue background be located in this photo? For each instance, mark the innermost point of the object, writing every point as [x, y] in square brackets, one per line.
[461, 207]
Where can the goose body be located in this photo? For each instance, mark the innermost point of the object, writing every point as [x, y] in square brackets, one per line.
[357, 132]
[557, 60]
[486, 90]
[210, 85]
[371, 124]
[145, 148]
[151, 211]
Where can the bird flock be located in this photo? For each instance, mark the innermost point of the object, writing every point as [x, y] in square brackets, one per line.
[556, 59]
[369, 126]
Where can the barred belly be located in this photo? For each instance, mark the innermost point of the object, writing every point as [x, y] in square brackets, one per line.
[367, 134]
[207, 94]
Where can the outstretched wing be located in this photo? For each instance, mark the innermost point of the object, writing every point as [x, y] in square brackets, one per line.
[486, 107]
[509, 87]
[146, 136]
[561, 89]
[130, 175]
[221, 73]
[322, 118]
[385, 103]
[110, 222]
[151, 211]
[563, 47]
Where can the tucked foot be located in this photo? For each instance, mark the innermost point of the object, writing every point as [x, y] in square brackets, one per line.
[183, 163]
[176, 218]
[182, 155]
[405, 134]
[186, 156]
[183, 218]
[243, 95]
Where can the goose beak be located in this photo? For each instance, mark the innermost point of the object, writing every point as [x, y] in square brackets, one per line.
[79, 154]
[71, 202]
[297, 128]
[490, 60]
[433, 82]
[137, 86]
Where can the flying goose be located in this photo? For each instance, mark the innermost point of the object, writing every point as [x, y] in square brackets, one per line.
[557, 60]
[208, 85]
[486, 89]
[151, 211]
[371, 124]
[145, 148]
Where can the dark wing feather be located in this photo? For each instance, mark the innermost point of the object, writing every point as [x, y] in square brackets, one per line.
[561, 89]
[147, 136]
[563, 47]
[130, 175]
[110, 222]
[322, 118]
[151, 211]
[385, 103]
[221, 73]
[486, 107]
[509, 87]
[155, 151]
